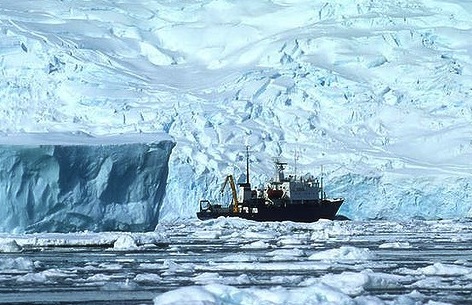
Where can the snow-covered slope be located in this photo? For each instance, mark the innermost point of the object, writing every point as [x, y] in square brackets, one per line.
[378, 92]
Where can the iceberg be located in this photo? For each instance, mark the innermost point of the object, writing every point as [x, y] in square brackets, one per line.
[75, 182]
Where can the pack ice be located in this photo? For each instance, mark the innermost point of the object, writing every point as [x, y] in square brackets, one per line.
[73, 182]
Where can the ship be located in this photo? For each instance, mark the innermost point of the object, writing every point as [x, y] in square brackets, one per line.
[284, 198]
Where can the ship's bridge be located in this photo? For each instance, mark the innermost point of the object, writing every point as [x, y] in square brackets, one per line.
[296, 188]
[300, 189]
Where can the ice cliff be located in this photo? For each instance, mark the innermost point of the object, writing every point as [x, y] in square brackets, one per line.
[67, 183]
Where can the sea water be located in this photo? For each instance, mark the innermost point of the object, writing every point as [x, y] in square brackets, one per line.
[233, 261]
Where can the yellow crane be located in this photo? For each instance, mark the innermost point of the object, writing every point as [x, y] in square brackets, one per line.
[229, 179]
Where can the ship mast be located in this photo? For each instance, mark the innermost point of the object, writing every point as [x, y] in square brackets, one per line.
[295, 157]
[247, 164]
[321, 186]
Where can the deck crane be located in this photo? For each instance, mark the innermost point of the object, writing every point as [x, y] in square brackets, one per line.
[229, 179]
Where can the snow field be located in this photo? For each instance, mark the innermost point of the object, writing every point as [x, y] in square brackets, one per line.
[374, 89]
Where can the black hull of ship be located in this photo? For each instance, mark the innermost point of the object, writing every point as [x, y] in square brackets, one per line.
[303, 212]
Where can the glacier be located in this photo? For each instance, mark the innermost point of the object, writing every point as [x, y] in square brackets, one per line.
[74, 182]
[377, 92]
